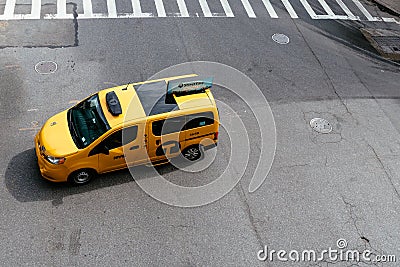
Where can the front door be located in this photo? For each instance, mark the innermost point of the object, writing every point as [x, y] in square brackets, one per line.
[117, 143]
[165, 138]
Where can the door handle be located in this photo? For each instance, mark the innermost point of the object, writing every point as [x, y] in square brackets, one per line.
[134, 147]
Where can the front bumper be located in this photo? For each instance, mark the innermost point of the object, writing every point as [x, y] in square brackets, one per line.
[51, 172]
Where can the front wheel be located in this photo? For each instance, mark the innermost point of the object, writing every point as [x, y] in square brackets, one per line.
[192, 153]
[81, 177]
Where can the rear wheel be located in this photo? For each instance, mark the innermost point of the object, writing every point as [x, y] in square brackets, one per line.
[192, 153]
[82, 176]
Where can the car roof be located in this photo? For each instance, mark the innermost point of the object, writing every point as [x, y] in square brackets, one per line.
[144, 99]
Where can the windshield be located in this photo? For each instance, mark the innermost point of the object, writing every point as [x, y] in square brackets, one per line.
[87, 121]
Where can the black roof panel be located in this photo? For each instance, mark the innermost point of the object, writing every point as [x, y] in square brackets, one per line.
[152, 97]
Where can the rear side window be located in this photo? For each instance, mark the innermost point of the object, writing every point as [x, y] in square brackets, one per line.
[129, 134]
[199, 120]
[177, 124]
[168, 126]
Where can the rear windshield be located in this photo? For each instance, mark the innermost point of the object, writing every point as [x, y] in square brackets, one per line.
[87, 122]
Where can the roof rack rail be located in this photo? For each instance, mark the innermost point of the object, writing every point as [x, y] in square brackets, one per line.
[189, 86]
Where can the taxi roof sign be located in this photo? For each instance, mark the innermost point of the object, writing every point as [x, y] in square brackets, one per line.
[189, 85]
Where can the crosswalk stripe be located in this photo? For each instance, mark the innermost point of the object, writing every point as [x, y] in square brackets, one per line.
[347, 10]
[249, 9]
[160, 8]
[137, 9]
[61, 8]
[35, 9]
[35, 12]
[309, 9]
[112, 9]
[227, 8]
[327, 9]
[87, 8]
[270, 9]
[290, 9]
[182, 8]
[365, 12]
[9, 9]
[205, 8]
[390, 20]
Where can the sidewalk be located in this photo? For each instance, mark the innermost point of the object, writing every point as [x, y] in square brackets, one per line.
[392, 5]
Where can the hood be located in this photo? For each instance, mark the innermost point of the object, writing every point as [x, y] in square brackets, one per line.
[56, 137]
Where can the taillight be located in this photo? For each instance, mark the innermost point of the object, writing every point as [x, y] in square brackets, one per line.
[216, 136]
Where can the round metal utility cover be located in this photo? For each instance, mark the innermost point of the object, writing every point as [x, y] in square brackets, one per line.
[321, 125]
[280, 38]
[46, 67]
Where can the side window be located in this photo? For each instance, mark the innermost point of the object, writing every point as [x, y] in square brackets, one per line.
[170, 125]
[129, 134]
[199, 120]
[115, 139]
[156, 127]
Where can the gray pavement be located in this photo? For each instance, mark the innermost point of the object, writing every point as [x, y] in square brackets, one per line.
[321, 187]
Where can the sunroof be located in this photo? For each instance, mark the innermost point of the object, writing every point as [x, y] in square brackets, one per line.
[152, 97]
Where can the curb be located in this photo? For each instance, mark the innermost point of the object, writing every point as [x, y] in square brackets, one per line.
[386, 42]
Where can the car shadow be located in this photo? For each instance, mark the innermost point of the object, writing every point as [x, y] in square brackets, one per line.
[25, 184]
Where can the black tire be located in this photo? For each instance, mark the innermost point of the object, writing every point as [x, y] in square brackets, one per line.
[192, 153]
[81, 177]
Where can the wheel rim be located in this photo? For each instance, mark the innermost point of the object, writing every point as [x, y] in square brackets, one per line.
[82, 177]
[192, 153]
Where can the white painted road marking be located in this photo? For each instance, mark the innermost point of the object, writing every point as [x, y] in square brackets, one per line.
[160, 8]
[112, 9]
[227, 8]
[270, 9]
[87, 8]
[290, 9]
[35, 9]
[365, 11]
[347, 10]
[36, 5]
[205, 8]
[9, 9]
[182, 8]
[249, 9]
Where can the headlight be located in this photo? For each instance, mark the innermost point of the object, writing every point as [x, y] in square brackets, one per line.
[54, 160]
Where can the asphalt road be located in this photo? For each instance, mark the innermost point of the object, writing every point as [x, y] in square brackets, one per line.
[321, 188]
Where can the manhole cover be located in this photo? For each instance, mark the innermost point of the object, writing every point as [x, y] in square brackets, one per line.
[46, 67]
[321, 125]
[280, 38]
[390, 44]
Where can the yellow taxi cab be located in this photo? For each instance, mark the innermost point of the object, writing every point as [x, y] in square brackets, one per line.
[139, 123]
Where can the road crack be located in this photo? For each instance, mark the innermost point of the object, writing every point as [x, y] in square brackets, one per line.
[387, 172]
[75, 21]
[250, 215]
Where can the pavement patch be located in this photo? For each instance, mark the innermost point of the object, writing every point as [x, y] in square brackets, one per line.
[52, 34]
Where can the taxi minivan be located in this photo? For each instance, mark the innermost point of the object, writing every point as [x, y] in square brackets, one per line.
[140, 123]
